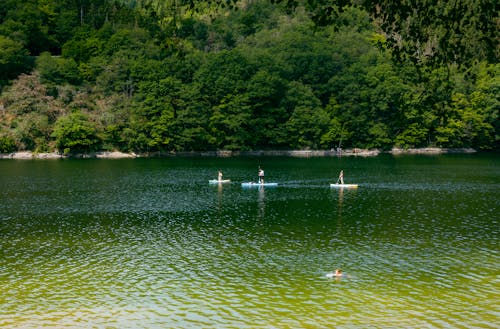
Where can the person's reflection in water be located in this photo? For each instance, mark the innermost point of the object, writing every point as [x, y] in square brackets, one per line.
[261, 202]
[340, 203]
[219, 196]
[341, 198]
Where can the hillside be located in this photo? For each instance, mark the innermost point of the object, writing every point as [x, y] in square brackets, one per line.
[148, 76]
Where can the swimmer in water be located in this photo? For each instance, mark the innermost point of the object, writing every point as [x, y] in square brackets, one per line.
[337, 274]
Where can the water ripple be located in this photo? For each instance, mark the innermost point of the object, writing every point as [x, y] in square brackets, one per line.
[151, 245]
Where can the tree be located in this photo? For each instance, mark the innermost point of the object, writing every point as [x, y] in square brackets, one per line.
[486, 100]
[157, 106]
[336, 133]
[384, 93]
[157, 75]
[27, 94]
[431, 32]
[308, 121]
[75, 134]
[268, 117]
[33, 132]
[7, 144]
[12, 59]
[225, 73]
[190, 129]
[82, 48]
[56, 70]
[415, 135]
[439, 31]
[469, 124]
[229, 124]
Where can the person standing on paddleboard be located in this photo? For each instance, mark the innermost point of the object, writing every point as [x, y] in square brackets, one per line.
[341, 178]
[261, 176]
[219, 177]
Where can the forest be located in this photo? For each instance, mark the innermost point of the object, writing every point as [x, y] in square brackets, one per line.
[163, 76]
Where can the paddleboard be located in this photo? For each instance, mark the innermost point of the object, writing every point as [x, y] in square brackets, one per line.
[344, 185]
[252, 184]
[216, 181]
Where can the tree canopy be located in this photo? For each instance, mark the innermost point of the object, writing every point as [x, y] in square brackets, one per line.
[184, 75]
[434, 32]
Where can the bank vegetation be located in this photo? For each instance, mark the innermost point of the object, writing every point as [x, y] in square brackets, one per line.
[163, 77]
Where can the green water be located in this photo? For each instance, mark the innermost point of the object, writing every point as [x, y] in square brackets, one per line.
[148, 243]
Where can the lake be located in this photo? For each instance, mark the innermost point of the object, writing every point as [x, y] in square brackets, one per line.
[148, 243]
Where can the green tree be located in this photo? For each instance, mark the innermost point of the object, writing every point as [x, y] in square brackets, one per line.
[383, 91]
[336, 133]
[469, 126]
[190, 129]
[82, 48]
[56, 70]
[7, 144]
[33, 132]
[268, 117]
[229, 123]
[430, 32]
[75, 134]
[439, 32]
[486, 100]
[224, 74]
[12, 59]
[308, 121]
[154, 75]
[157, 105]
[415, 135]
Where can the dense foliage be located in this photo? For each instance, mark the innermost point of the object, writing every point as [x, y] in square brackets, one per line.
[431, 32]
[156, 75]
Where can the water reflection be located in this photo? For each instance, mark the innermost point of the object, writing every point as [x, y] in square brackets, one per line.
[261, 202]
[150, 245]
[341, 199]
[219, 195]
[340, 205]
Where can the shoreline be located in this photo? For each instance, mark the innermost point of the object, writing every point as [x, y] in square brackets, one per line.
[28, 155]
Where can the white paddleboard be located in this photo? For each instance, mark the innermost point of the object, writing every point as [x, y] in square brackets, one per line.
[344, 185]
[216, 181]
[252, 184]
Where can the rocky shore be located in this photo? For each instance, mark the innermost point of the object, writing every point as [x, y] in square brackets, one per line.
[432, 150]
[26, 155]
